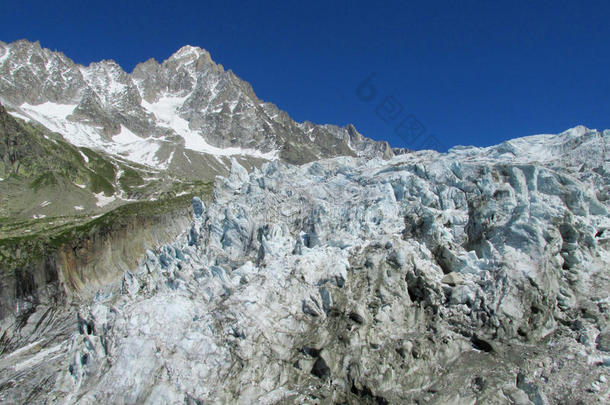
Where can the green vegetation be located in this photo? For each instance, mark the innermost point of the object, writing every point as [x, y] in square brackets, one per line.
[99, 184]
[130, 179]
[44, 180]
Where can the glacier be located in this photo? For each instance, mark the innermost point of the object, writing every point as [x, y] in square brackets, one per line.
[481, 275]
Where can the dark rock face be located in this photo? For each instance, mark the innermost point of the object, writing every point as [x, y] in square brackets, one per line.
[26, 287]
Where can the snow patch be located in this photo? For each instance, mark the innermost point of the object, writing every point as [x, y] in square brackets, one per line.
[126, 143]
[85, 157]
[126, 137]
[166, 112]
[5, 55]
[20, 116]
[55, 117]
[49, 109]
[135, 148]
[102, 200]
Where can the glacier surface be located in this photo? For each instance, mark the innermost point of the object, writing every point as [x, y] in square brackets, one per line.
[477, 276]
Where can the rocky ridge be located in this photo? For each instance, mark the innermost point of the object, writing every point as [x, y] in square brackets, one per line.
[477, 276]
[187, 114]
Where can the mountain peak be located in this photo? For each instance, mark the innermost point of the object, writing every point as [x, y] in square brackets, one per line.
[189, 52]
[578, 130]
[186, 106]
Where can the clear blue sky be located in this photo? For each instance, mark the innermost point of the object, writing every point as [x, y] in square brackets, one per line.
[471, 72]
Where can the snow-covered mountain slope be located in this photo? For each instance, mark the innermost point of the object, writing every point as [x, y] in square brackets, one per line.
[476, 276]
[165, 115]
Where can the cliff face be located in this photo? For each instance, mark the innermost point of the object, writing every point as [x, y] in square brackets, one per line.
[103, 255]
[25, 287]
